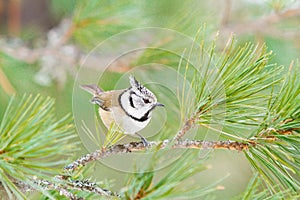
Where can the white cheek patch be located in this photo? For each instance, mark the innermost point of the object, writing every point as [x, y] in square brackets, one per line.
[136, 101]
[137, 111]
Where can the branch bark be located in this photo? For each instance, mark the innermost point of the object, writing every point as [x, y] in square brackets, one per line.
[139, 146]
[186, 127]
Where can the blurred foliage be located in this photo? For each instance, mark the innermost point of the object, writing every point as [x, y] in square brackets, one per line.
[21, 76]
[93, 21]
[62, 8]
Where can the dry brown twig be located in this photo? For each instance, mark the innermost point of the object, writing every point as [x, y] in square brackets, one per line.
[5, 84]
[263, 25]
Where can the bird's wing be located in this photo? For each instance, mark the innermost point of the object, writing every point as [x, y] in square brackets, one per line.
[110, 98]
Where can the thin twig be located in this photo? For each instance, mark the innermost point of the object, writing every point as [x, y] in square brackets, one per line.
[226, 13]
[61, 189]
[139, 146]
[86, 185]
[45, 185]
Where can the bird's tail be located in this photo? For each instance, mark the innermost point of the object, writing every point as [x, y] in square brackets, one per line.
[92, 88]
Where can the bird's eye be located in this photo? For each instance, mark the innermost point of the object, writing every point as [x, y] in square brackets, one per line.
[146, 100]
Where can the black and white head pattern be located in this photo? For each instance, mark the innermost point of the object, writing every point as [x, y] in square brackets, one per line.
[141, 96]
[137, 101]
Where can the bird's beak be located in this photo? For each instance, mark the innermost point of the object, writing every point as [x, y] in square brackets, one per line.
[159, 104]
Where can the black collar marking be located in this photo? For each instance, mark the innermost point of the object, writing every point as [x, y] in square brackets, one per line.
[142, 119]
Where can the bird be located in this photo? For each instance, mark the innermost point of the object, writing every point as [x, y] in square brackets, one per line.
[130, 108]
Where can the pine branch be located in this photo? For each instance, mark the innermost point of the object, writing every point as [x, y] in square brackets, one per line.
[248, 147]
[139, 147]
[32, 142]
[277, 157]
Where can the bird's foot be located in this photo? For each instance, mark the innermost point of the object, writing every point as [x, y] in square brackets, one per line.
[145, 142]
